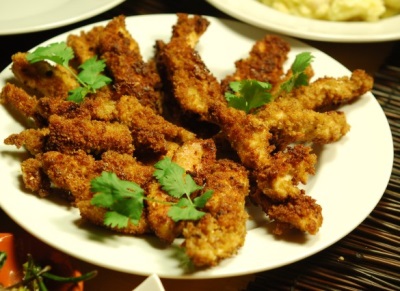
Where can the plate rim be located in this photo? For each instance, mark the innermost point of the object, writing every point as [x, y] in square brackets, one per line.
[90, 10]
[239, 9]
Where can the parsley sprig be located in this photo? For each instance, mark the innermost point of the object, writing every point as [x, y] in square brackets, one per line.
[178, 184]
[249, 95]
[90, 77]
[124, 200]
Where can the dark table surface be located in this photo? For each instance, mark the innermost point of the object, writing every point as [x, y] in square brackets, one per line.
[321, 271]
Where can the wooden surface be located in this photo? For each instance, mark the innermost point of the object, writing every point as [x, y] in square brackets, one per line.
[324, 271]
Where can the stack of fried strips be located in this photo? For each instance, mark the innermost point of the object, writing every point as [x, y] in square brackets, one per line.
[172, 105]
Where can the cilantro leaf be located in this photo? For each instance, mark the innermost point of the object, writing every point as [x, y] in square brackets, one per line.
[177, 183]
[123, 199]
[249, 94]
[299, 78]
[91, 73]
[90, 77]
[173, 178]
[78, 94]
[201, 201]
[59, 53]
[184, 210]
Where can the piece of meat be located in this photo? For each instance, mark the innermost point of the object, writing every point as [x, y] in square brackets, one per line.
[264, 62]
[42, 77]
[91, 136]
[221, 232]
[131, 74]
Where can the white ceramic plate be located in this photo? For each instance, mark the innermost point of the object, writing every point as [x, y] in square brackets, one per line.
[23, 16]
[260, 15]
[352, 175]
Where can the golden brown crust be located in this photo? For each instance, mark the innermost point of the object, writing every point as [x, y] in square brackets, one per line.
[264, 63]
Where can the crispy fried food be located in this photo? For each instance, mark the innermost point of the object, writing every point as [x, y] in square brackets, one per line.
[172, 106]
[42, 77]
[331, 92]
[150, 131]
[19, 99]
[261, 140]
[85, 45]
[91, 136]
[132, 76]
[73, 173]
[34, 140]
[194, 156]
[187, 75]
[301, 213]
[264, 63]
[222, 230]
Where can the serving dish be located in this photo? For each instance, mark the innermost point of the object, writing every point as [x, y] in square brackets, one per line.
[22, 16]
[260, 15]
[352, 174]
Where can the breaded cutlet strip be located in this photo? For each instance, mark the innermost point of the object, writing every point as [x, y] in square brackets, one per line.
[264, 62]
[302, 213]
[35, 180]
[251, 138]
[221, 232]
[42, 77]
[328, 92]
[290, 122]
[131, 74]
[33, 140]
[150, 130]
[189, 28]
[74, 172]
[91, 136]
[191, 82]
[194, 156]
[19, 99]
[85, 45]
[199, 92]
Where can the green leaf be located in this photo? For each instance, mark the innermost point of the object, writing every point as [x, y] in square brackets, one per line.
[301, 62]
[249, 94]
[115, 219]
[91, 73]
[299, 78]
[184, 210]
[78, 94]
[89, 77]
[59, 53]
[173, 178]
[3, 258]
[122, 198]
[201, 201]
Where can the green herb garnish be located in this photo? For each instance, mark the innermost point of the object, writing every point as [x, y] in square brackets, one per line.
[299, 78]
[124, 200]
[248, 94]
[178, 184]
[90, 77]
[251, 94]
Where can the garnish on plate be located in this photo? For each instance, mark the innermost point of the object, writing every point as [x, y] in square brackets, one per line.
[249, 95]
[124, 199]
[90, 77]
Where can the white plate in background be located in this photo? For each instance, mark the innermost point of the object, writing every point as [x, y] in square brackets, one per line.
[352, 174]
[260, 15]
[23, 16]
